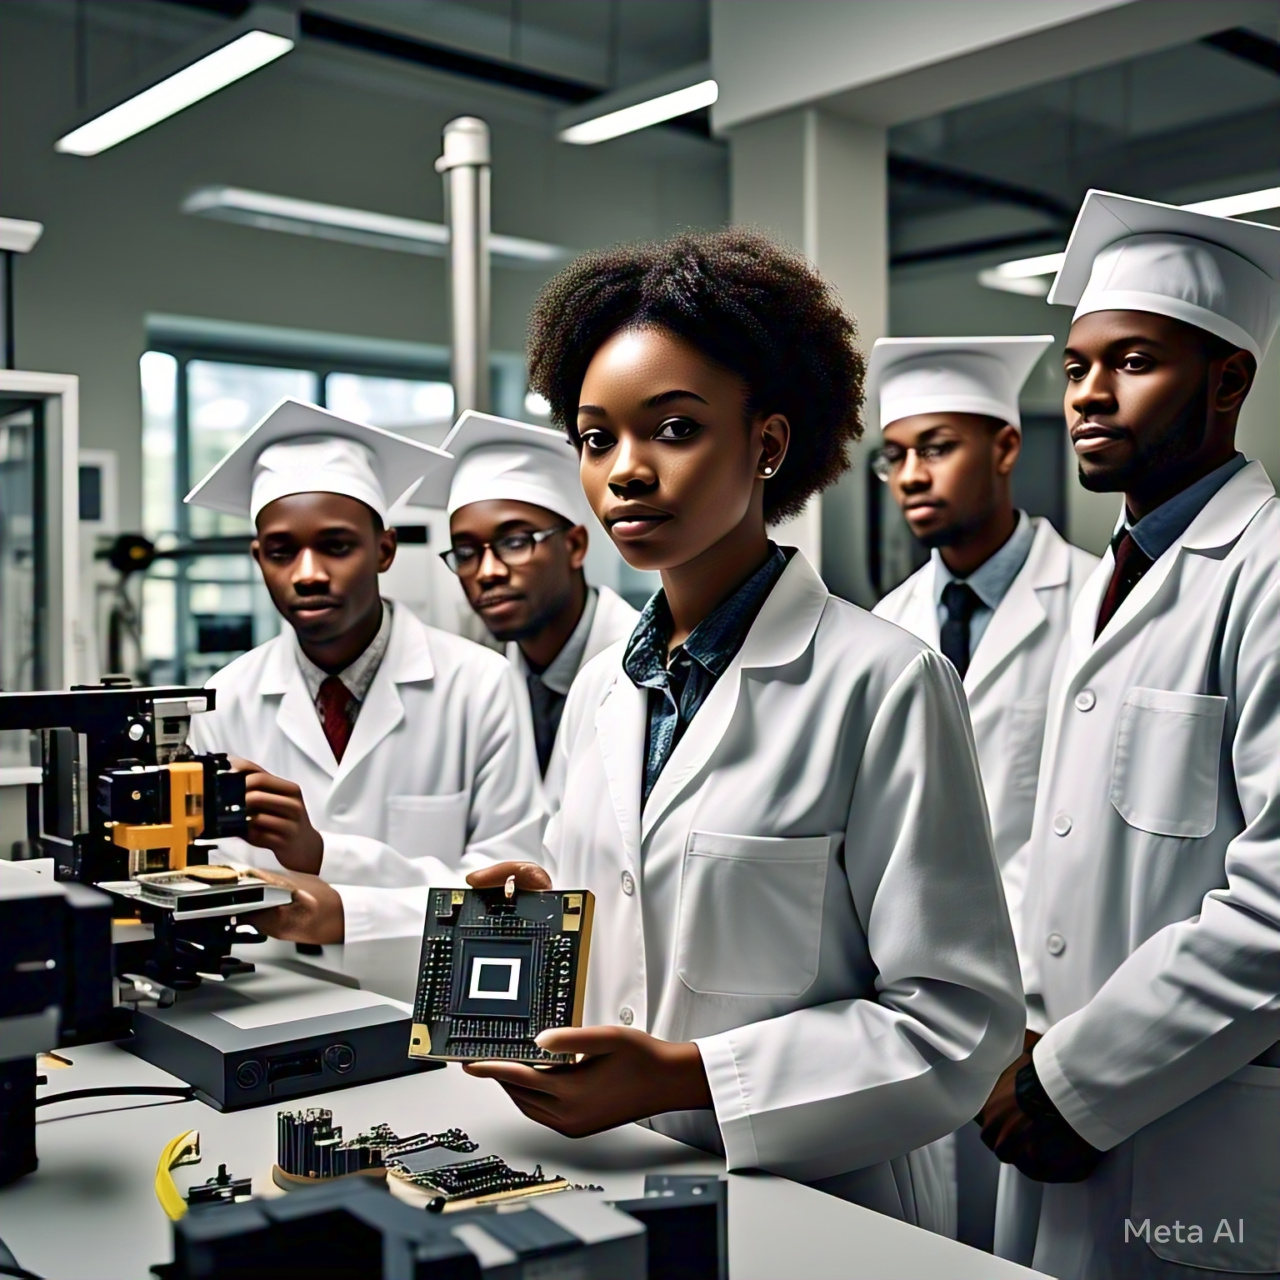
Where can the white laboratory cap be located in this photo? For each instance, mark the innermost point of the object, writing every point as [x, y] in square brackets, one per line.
[908, 376]
[1218, 274]
[301, 448]
[497, 458]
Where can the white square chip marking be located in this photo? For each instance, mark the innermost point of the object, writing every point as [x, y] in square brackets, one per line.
[513, 979]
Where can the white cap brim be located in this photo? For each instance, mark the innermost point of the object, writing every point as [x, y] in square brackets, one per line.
[1221, 275]
[911, 376]
[386, 468]
[499, 459]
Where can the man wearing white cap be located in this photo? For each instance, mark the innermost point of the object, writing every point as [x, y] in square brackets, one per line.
[400, 743]
[1148, 1114]
[995, 596]
[518, 524]
[997, 591]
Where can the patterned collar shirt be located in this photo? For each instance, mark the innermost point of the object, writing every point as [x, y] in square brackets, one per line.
[678, 685]
[358, 677]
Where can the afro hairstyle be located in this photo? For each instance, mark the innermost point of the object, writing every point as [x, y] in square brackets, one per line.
[748, 305]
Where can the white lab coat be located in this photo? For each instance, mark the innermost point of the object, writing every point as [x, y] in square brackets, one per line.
[809, 892]
[615, 620]
[1152, 918]
[1007, 687]
[439, 778]
[1007, 683]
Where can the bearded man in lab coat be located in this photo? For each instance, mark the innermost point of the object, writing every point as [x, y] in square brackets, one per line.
[995, 597]
[382, 754]
[518, 525]
[1145, 1122]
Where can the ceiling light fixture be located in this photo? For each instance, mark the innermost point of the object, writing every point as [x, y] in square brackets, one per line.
[356, 226]
[260, 37]
[1033, 276]
[638, 107]
[17, 235]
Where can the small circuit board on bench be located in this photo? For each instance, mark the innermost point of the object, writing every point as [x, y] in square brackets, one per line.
[497, 969]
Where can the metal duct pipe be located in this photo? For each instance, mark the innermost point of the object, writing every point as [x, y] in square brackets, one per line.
[465, 166]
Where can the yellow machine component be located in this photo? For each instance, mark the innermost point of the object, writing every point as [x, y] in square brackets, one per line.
[184, 1149]
[186, 822]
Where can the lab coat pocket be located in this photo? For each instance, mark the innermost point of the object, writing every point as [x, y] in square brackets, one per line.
[750, 915]
[1212, 1167]
[1025, 737]
[429, 826]
[1164, 776]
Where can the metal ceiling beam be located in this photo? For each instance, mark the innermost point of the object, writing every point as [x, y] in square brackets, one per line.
[1247, 45]
[937, 177]
[971, 248]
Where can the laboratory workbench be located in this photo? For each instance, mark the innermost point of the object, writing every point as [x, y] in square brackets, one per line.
[90, 1212]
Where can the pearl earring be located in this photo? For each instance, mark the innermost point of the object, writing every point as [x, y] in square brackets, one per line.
[768, 471]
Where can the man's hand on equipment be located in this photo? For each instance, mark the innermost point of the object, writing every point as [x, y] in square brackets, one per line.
[1023, 1127]
[527, 875]
[314, 915]
[278, 819]
[625, 1075]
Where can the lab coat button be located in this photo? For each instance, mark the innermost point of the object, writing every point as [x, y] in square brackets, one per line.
[1055, 944]
[1086, 700]
[628, 883]
[626, 1015]
[1061, 824]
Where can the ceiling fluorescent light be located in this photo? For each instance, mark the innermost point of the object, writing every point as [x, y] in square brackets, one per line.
[1031, 276]
[355, 226]
[1232, 206]
[17, 235]
[638, 107]
[262, 36]
[1032, 286]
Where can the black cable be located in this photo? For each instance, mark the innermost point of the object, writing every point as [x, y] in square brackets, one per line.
[150, 1091]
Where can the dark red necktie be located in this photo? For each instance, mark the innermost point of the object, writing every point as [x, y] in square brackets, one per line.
[1131, 563]
[335, 702]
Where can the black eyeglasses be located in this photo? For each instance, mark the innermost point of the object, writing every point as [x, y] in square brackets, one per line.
[890, 458]
[513, 549]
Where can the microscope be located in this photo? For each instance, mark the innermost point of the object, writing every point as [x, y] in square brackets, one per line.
[125, 806]
[120, 929]
[112, 914]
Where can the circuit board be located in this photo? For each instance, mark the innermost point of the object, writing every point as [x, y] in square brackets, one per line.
[449, 1167]
[467, 1182]
[496, 970]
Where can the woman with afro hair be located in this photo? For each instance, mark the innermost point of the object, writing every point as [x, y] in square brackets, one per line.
[801, 952]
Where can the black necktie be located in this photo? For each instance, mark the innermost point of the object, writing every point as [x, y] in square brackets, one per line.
[548, 706]
[959, 600]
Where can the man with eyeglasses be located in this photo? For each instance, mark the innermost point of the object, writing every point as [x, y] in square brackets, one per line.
[995, 596]
[518, 526]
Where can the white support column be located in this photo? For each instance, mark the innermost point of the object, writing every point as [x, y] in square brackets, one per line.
[816, 181]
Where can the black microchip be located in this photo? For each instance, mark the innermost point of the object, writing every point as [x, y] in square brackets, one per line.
[494, 977]
[495, 972]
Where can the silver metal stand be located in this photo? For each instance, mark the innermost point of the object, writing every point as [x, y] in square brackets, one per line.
[465, 165]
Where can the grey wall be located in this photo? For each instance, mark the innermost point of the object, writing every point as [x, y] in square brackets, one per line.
[320, 124]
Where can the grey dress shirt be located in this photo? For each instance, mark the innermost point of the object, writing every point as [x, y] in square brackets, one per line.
[990, 580]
